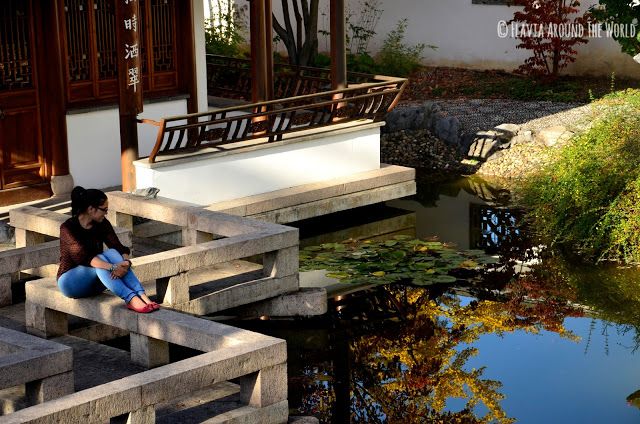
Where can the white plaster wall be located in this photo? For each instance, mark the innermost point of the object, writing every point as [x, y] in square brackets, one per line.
[220, 178]
[466, 36]
[94, 142]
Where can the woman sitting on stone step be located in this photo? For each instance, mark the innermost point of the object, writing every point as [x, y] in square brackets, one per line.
[85, 270]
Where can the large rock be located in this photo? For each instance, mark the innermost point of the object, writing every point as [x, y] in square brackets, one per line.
[6, 233]
[484, 143]
[506, 132]
[404, 119]
[555, 136]
[523, 137]
[447, 129]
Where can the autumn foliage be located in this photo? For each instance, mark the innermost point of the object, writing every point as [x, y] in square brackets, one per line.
[551, 30]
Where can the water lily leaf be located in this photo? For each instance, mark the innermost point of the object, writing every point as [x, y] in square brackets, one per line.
[468, 264]
[475, 252]
[401, 237]
[312, 249]
[338, 275]
[420, 282]
[378, 273]
[396, 255]
[487, 260]
[390, 243]
[444, 279]
[333, 246]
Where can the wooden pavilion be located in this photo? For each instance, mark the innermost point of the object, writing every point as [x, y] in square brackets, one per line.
[59, 90]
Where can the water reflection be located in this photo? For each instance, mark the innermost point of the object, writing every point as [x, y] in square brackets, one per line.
[554, 344]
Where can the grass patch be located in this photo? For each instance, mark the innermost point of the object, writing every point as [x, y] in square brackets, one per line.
[587, 200]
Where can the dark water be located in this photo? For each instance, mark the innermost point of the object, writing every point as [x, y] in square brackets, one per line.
[554, 345]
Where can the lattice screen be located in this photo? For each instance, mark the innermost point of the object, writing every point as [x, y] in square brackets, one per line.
[15, 45]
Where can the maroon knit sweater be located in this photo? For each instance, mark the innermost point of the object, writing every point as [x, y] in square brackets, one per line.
[78, 245]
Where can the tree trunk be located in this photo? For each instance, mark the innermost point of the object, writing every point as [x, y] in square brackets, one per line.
[302, 42]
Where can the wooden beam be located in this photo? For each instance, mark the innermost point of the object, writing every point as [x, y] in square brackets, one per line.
[338, 45]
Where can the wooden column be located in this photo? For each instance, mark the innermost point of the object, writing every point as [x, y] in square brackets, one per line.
[338, 45]
[187, 56]
[129, 51]
[268, 46]
[52, 88]
[261, 50]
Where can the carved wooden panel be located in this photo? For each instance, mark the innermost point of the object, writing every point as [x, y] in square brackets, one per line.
[15, 49]
[163, 39]
[93, 56]
[105, 22]
[78, 39]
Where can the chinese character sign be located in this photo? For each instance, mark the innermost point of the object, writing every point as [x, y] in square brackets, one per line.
[129, 57]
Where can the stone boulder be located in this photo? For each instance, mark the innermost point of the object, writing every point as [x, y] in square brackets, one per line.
[555, 136]
[426, 116]
[506, 132]
[447, 129]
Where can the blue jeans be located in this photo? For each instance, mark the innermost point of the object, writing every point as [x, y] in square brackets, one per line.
[85, 281]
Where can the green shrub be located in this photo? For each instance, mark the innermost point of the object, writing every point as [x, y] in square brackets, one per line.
[584, 200]
[224, 31]
[395, 57]
[361, 62]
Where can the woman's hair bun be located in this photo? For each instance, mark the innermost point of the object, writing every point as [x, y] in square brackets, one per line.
[78, 192]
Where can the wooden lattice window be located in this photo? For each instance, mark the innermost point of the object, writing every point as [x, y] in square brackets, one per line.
[16, 67]
[90, 38]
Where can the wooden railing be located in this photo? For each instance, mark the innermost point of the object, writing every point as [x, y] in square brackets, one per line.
[271, 120]
[231, 77]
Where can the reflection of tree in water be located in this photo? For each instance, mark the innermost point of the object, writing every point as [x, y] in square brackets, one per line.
[405, 352]
[430, 190]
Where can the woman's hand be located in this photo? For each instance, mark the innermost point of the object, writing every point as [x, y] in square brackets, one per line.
[121, 269]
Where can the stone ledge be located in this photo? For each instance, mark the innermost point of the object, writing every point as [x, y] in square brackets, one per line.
[259, 361]
[339, 203]
[25, 358]
[306, 193]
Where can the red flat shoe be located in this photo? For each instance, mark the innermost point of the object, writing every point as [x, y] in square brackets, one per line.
[143, 310]
[153, 305]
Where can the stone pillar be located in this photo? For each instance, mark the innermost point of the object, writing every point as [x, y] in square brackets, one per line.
[26, 238]
[119, 219]
[191, 237]
[281, 263]
[49, 388]
[146, 415]
[265, 387]
[173, 290]
[147, 351]
[44, 322]
[5, 290]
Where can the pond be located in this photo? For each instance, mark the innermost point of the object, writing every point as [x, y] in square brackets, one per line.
[555, 344]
